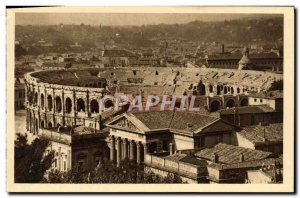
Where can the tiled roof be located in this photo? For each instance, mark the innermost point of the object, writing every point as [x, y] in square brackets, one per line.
[255, 134]
[247, 164]
[188, 159]
[174, 120]
[189, 121]
[247, 110]
[155, 119]
[230, 154]
[270, 94]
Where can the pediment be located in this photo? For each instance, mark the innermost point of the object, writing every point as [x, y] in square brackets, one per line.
[124, 123]
[218, 126]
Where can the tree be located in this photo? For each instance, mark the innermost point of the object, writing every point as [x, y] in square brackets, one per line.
[109, 172]
[31, 162]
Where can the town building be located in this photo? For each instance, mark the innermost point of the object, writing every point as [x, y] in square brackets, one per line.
[266, 137]
[251, 115]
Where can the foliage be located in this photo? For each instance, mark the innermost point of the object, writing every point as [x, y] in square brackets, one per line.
[31, 162]
[108, 172]
[276, 85]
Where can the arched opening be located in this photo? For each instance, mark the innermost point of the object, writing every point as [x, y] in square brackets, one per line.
[232, 90]
[244, 102]
[68, 105]
[80, 105]
[218, 90]
[211, 89]
[42, 101]
[36, 126]
[201, 88]
[42, 124]
[35, 98]
[225, 90]
[50, 105]
[94, 106]
[108, 104]
[238, 90]
[58, 104]
[50, 124]
[215, 106]
[104, 85]
[177, 104]
[230, 103]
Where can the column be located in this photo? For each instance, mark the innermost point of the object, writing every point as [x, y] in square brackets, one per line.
[125, 149]
[131, 150]
[118, 151]
[112, 148]
[138, 152]
[74, 106]
[145, 150]
[69, 160]
[63, 107]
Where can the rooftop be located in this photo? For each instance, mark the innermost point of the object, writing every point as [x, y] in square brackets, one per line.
[257, 134]
[117, 53]
[247, 110]
[174, 120]
[229, 154]
[268, 95]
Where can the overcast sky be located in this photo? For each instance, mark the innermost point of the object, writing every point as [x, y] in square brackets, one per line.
[122, 19]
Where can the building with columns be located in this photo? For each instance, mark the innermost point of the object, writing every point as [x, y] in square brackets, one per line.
[135, 134]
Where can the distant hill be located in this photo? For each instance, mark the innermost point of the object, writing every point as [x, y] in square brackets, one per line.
[240, 31]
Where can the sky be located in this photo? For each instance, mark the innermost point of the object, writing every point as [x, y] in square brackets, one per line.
[114, 19]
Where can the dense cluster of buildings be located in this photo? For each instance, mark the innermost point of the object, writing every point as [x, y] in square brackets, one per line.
[235, 137]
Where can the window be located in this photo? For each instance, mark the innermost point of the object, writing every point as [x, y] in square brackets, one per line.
[55, 163]
[252, 120]
[261, 100]
[65, 166]
[255, 100]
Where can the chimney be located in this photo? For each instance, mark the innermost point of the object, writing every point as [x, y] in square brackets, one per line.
[215, 158]
[189, 125]
[171, 148]
[242, 159]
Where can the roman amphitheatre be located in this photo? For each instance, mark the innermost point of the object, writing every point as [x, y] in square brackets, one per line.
[66, 97]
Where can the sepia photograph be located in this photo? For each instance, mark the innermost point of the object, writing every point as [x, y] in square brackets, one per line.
[150, 99]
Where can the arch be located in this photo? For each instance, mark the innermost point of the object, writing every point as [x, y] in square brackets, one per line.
[215, 106]
[244, 102]
[108, 103]
[58, 104]
[230, 103]
[218, 90]
[231, 90]
[35, 98]
[238, 90]
[42, 101]
[50, 105]
[225, 90]
[201, 88]
[94, 106]
[42, 124]
[177, 104]
[36, 125]
[50, 124]
[80, 105]
[211, 88]
[68, 105]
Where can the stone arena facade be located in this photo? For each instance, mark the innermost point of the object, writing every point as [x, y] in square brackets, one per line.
[67, 97]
